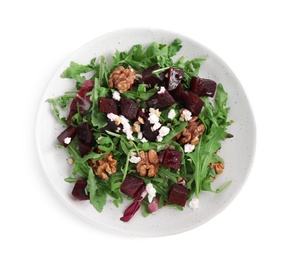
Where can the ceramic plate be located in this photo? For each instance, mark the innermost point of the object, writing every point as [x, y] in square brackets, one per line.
[237, 152]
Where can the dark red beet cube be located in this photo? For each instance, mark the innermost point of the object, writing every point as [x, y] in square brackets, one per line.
[161, 100]
[108, 105]
[151, 79]
[192, 102]
[203, 87]
[81, 102]
[84, 148]
[112, 127]
[131, 185]
[178, 194]
[177, 93]
[79, 190]
[172, 158]
[84, 132]
[67, 135]
[129, 108]
[174, 78]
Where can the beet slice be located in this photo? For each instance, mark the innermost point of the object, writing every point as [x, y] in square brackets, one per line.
[79, 190]
[128, 108]
[174, 78]
[84, 148]
[192, 102]
[81, 101]
[203, 87]
[161, 100]
[69, 132]
[172, 158]
[131, 185]
[177, 93]
[135, 206]
[178, 194]
[108, 105]
[151, 79]
[84, 132]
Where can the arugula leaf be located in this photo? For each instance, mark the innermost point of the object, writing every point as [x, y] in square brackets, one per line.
[75, 70]
[97, 194]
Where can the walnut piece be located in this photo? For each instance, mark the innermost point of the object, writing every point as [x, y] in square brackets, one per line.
[190, 134]
[122, 79]
[218, 167]
[105, 166]
[149, 164]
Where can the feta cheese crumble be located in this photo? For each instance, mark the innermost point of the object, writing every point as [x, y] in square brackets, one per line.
[112, 116]
[144, 140]
[188, 148]
[193, 204]
[116, 95]
[134, 159]
[161, 91]
[186, 114]
[163, 131]
[171, 114]
[67, 140]
[127, 129]
[151, 192]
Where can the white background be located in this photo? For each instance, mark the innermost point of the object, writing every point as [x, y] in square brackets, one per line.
[252, 37]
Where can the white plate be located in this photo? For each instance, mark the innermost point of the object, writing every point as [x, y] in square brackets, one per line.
[238, 152]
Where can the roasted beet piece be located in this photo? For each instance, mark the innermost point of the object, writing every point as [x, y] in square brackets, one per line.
[131, 185]
[174, 78]
[172, 158]
[177, 93]
[84, 148]
[129, 108]
[81, 101]
[203, 87]
[79, 190]
[178, 194]
[84, 132]
[108, 105]
[112, 127]
[146, 127]
[151, 79]
[161, 100]
[135, 206]
[67, 135]
[192, 102]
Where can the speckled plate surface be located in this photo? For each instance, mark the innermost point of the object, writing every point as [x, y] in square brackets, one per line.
[238, 152]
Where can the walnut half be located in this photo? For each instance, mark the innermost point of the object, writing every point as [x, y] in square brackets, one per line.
[218, 167]
[122, 79]
[149, 164]
[105, 166]
[192, 132]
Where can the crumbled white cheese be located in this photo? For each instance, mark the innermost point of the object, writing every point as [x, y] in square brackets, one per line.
[140, 135]
[161, 91]
[144, 140]
[186, 114]
[151, 192]
[153, 118]
[171, 114]
[193, 204]
[156, 126]
[188, 148]
[127, 129]
[116, 95]
[163, 131]
[67, 140]
[112, 116]
[134, 159]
